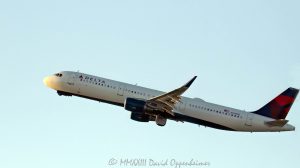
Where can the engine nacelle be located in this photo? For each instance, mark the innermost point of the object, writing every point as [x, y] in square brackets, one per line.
[135, 105]
[140, 117]
[144, 111]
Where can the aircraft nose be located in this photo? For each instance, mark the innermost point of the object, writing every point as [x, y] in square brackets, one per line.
[50, 82]
[46, 81]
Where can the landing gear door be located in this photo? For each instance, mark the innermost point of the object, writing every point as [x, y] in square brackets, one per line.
[249, 119]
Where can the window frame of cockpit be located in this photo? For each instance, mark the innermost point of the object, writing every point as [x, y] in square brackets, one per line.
[58, 75]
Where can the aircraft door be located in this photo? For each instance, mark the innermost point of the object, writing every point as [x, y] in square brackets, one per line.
[249, 119]
[73, 78]
[181, 106]
[72, 82]
[120, 90]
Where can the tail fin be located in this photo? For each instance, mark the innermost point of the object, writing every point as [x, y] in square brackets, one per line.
[280, 106]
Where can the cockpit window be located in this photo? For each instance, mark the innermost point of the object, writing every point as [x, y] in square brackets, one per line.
[58, 74]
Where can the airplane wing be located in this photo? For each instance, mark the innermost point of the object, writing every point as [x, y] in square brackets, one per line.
[168, 100]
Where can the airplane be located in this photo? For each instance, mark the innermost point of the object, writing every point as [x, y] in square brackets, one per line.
[152, 105]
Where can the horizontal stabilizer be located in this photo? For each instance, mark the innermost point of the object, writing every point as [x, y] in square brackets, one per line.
[278, 123]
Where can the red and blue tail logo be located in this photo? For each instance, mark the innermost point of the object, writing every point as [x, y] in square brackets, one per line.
[279, 107]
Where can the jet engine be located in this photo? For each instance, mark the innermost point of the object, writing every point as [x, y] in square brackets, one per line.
[145, 111]
[137, 107]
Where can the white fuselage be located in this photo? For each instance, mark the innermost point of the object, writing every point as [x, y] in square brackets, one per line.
[195, 109]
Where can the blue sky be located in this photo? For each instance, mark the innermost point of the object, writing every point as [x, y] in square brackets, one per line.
[244, 53]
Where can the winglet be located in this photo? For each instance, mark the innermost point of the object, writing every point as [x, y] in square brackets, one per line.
[190, 82]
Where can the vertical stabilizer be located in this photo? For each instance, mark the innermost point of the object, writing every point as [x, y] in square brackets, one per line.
[280, 106]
